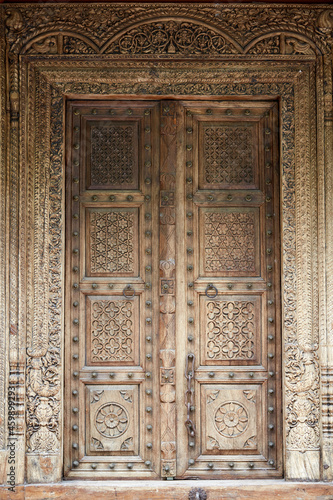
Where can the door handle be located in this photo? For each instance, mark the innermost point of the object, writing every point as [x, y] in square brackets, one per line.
[128, 291]
[189, 394]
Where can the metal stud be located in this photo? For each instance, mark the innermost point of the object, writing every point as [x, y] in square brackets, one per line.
[110, 285]
[75, 463]
[149, 409]
[94, 197]
[75, 339]
[75, 269]
[147, 130]
[76, 180]
[190, 338]
[148, 164]
[76, 163]
[112, 374]
[271, 355]
[251, 374]
[148, 374]
[148, 321]
[267, 131]
[148, 339]
[75, 357]
[271, 427]
[93, 466]
[191, 321]
[148, 286]
[147, 112]
[149, 427]
[211, 374]
[149, 445]
[267, 148]
[189, 164]
[191, 285]
[209, 111]
[112, 197]
[231, 375]
[210, 197]
[130, 466]
[75, 286]
[249, 285]
[75, 427]
[148, 269]
[230, 286]
[268, 165]
[75, 410]
[269, 284]
[271, 374]
[147, 197]
[190, 303]
[191, 461]
[129, 111]
[210, 465]
[231, 464]
[189, 180]
[270, 391]
[75, 198]
[228, 112]
[271, 320]
[269, 251]
[269, 302]
[269, 268]
[76, 146]
[148, 303]
[94, 375]
[189, 130]
[190, 267]
[75, 303]
[191, 444]
[251, 465]
[271, 462]
[270, 409]
[75, 251]
[147, 180]
[75, 392]
[189, 196]
[76, 112]
[189, 147]
[189, 233]
[147, 216]
[75, 446]
[247, 112]
[147, 147]
[147, 463]
[75, 321]
[111, 466]
[269, 232]
[94, 286]
[190, 251]
[248, 197]
[129, 198]
[148, 233]
[130, 375]
[270, 338]
[229, 197]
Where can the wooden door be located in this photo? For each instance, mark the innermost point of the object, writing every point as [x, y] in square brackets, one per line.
[172, 289]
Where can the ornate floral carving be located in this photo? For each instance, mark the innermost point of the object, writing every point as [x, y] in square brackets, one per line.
[229, 241]
[111, 241]
[111, 420]
[112, 330]
[171, 37]
[231, 419]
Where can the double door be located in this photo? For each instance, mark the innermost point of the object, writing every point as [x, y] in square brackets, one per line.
[172, 324]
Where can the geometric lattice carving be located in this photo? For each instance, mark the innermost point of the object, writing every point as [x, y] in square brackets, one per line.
[111, 241]
[229, 241]
[112, 324]
[113, 156]
[230, 329]
[228, 156]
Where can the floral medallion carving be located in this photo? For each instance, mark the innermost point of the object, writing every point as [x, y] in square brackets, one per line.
[111, 420]
[231, 419]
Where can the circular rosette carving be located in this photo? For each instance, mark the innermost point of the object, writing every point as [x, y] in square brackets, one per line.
[231, 419]
[111, 420]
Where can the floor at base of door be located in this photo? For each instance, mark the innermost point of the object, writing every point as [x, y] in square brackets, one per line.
[171, 490]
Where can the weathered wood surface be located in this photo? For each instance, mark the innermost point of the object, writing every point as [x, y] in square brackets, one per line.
[178, 490]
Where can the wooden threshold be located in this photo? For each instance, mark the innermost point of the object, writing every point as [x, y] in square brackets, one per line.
[171, 490]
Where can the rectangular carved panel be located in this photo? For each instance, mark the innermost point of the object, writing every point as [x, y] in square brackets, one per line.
[112, 236]
[229, 242]
[112, 324]
[232, 419]
[230, 329]
[112, 419]
[112, 155]
[228, 155]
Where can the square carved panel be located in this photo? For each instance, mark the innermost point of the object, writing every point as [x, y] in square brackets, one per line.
[112, 242]
[112, 330]
[112, 419]
[229, 242]
[228, 155]
[232, 419]
[112, 154]
[230, 330]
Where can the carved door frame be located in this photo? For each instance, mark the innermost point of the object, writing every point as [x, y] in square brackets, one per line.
[285, 55]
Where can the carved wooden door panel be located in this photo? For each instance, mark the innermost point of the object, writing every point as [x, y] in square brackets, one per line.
[111, 280]
[232, 293]
[172, 289]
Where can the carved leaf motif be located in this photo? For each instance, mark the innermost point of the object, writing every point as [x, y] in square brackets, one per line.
[250, 395]
[213, 444]
[96, 443]
[251, 442]
[127, 444]
[127, 396]
[95, 396]
[211, 396]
